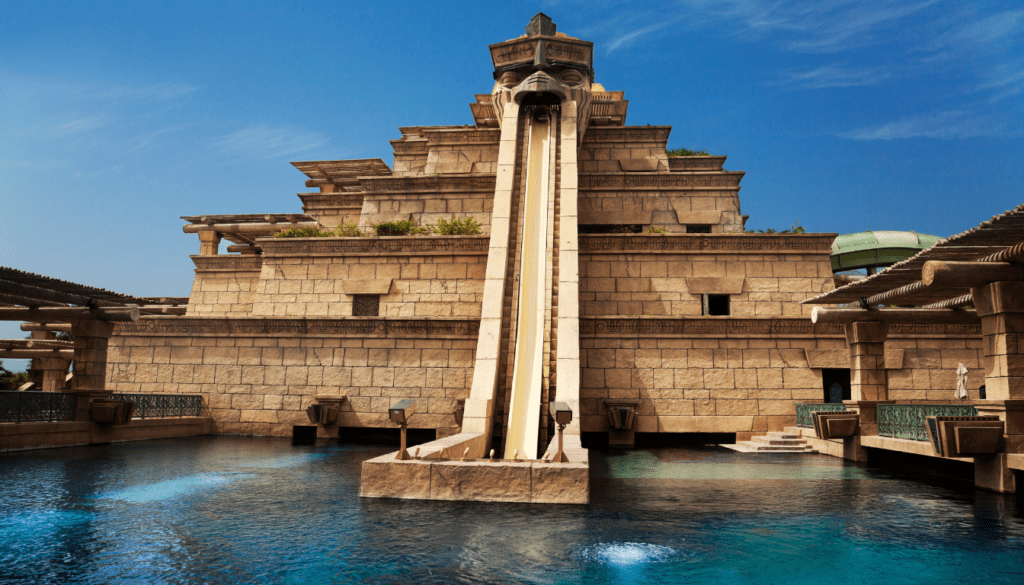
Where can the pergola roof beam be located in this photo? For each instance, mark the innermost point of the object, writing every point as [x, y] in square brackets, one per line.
[50, 314]
[915, 316]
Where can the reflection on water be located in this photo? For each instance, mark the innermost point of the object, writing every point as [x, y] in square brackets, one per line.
[243, 510]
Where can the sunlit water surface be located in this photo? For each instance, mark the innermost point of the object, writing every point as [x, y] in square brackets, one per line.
[242, 510]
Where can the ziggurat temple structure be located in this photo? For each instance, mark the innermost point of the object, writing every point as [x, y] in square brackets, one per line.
[608, 276]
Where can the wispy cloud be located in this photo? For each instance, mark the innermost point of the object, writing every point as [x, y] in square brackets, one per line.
[268, 142]
[944, 125]
[831, 76]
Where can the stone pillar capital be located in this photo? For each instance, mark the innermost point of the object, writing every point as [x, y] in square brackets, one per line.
[867, 332]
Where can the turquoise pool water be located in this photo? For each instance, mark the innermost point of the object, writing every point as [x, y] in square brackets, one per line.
[243, 510]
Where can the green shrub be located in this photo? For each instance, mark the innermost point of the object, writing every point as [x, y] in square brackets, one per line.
[349, 230]
[457, 226]
[393, 228]
[655, 230]
[304, 233]
[682, 151]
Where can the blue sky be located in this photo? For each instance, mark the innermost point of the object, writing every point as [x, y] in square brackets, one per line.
[116, 118]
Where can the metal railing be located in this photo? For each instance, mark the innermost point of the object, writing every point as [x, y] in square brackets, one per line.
[162, 405]
[18, 407]
[803, 412]
[907, 421]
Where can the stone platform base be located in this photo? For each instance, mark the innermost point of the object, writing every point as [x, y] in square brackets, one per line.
[44, 435]
[480, 480]
[774, 442]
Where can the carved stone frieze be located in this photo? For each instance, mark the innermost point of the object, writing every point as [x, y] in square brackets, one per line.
[283, 327]
[681, 326]
[695, 163]
[556, 50]
[704, 243]
[316, 200]
[669, 180]
[429, 245]
[628, 134]
[463, 137]
[740, 326]
[427, 184]
[235, 263]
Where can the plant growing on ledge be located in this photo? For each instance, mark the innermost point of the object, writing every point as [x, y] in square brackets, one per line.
[795, 228]
[682, 151]
[399, 228]
[457, 226]
[304, 233]
[655, 230]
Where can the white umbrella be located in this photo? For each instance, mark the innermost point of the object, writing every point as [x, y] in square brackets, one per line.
[961, 382]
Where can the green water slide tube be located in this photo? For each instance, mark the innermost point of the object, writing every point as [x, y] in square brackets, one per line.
[873, 249]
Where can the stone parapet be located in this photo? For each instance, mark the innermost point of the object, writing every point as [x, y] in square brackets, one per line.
[360, 327]
[384, 246]
[706, 244]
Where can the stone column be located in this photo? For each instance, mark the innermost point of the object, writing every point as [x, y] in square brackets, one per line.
[1001, 308]
[90, 363]
[209, 242]
[869, 382]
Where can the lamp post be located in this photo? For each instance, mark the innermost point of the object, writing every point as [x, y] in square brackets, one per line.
[400, 414]
[562, 414]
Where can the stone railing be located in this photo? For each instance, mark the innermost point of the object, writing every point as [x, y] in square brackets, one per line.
[803, 412]
[907, 421]
[162, 405]
[18, 407]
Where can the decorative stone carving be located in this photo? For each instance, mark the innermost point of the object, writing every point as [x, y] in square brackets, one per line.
[711, 243]
[428, 245]
[253, 327]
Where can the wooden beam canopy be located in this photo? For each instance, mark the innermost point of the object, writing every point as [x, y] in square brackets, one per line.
[914, 316]
[67, 314]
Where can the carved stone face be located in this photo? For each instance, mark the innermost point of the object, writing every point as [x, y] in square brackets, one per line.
[510, 79]
[572, 78]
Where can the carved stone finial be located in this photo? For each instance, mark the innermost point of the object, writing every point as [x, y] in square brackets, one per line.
[540, 25]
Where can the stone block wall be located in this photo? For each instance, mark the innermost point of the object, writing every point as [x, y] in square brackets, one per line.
[746, 386]
[262, 385]
[427, 208]
[659, 284]
[224, 285]
[461, 158]
[434, 286]
[667, 211]
[929, 365]
[603, 148]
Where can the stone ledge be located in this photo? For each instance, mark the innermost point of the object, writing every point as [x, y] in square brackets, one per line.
[45, 435]
[674, 327]
[361, 327]
[375, 246]
[706, 244]
[906, 446]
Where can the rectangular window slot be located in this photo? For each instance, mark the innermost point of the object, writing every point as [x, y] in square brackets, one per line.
[698, 229]
[714, 304]
[365, 305]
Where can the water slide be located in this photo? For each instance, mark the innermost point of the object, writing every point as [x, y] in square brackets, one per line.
[528, 370]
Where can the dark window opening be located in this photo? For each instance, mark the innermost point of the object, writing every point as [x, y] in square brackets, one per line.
[610, 229]
[365, 305]
[715, 304]
[836, 384]
[698, 228]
